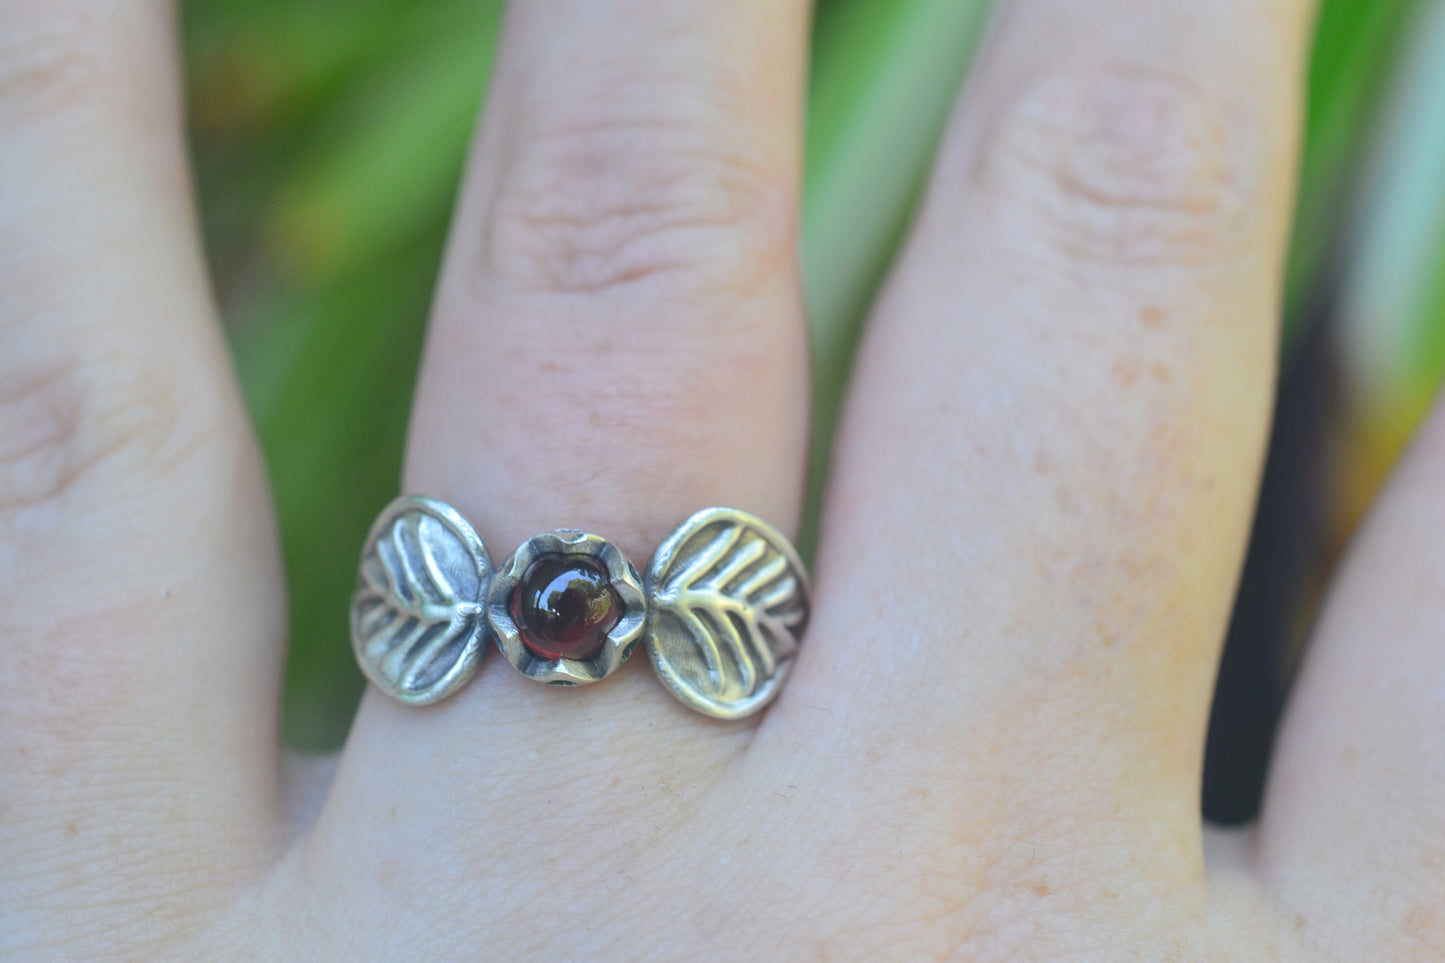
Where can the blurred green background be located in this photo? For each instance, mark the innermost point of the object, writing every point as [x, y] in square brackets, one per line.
[329, 138]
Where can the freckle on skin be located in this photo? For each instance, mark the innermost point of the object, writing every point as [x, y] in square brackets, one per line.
[71, 830]
[1126, 373]
[1420, 921]
[1347, 758]
[1064, 498]
[1151, 316]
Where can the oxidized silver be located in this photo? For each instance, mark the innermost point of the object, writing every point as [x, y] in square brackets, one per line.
[417, 622]
[727, 599]
[619, 642]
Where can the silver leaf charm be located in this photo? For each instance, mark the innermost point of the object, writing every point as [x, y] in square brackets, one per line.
[728, 600]
[417, 621]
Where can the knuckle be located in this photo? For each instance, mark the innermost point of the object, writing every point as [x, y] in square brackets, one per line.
[47, 61]
[1128, 165]
[70, 426]
[593, 207]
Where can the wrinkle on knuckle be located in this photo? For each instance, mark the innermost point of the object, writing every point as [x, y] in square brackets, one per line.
[595, 207]
[73, 421]
[1127, 165]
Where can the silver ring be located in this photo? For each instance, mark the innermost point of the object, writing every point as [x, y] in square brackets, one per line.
[720, 610]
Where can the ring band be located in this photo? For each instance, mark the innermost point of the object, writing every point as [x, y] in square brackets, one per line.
[720, 610]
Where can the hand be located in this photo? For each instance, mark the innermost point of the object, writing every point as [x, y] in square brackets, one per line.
[991, 746]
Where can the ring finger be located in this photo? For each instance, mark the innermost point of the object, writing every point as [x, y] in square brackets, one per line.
[617, 341]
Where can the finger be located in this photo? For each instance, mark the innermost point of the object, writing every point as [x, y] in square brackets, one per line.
[618, 342]
[1351, 838]
[139, 597]
[1049, 457]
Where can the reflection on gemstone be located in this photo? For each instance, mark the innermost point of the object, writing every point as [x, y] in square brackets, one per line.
[564, 607]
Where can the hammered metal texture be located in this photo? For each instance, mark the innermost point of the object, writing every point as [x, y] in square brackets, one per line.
[417, 622]
[620, 641]
[728, 600]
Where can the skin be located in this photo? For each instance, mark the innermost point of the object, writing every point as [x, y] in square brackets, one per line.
[991, 746]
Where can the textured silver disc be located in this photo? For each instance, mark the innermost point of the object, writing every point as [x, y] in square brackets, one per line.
[728, 600]
[565, 565]
[417, 623]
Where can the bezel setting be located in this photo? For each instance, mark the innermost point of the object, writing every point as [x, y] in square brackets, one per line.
[617, 645]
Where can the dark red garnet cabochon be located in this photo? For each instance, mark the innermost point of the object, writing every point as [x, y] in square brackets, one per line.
[564, 607]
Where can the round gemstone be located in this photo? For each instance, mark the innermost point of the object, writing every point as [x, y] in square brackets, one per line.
[564, 607]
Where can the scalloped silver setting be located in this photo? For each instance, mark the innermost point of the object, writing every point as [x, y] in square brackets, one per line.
[619, 643]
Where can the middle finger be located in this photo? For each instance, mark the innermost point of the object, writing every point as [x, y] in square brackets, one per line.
[1046, 472]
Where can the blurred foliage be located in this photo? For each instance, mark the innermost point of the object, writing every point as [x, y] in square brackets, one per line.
[1391, 307]
[329, 138]
[1355, 41]
[884, 75]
